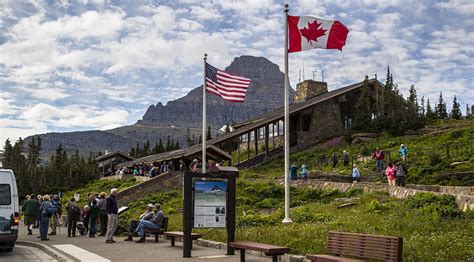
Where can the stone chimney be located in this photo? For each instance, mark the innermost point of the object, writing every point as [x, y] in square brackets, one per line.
[308, 89]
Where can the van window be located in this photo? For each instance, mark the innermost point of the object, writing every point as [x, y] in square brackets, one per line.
[5, 194]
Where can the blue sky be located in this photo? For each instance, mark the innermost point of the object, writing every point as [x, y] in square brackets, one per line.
[80, 65]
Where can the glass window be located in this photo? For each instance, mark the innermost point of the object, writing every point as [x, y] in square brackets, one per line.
[5, 194]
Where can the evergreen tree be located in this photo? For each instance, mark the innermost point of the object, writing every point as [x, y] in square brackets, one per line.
[177, 146]
[208, 135]
[413, 101]
[456, 109]
[422, 107]
[146, 148]
[132, 152]
[161, 148]
[200, 140]
[468, 111]
[441, 108]
[168, 144]
[189, 138]
[430, 115]
[362, 117]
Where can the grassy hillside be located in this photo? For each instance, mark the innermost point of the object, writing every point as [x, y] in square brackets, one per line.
[431, 226]
[431, 155]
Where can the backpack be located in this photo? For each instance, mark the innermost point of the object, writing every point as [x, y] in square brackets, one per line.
[52, 209]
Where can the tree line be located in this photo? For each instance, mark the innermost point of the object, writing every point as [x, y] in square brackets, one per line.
[386, 110]
[60, 173]
[159, 147]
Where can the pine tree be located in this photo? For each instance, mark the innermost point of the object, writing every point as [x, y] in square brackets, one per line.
[422, 107]
[430, 115]
[161, 149]
[468, 111]
[362, 117]
[456, 110]
[177, 146]
[146, 148]
[189, 138]
[442, 111]
[168, 144]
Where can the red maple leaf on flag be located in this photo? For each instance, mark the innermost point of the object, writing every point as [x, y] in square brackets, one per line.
[313, 31]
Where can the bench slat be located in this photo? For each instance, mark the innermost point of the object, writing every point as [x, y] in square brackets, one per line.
[266, 248]
[328, 258]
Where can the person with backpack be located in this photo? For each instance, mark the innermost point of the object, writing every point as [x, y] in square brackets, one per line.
[293, 172]
[72, 216]
[379, 157]
[46, 212]
[30, 210]
[93, 215]
[85, 217]
[304, 172]
[103, 217]
[334, 160]
[112, 212]
[56, 207]
[403, 152]
[401, 172]
[345, 158]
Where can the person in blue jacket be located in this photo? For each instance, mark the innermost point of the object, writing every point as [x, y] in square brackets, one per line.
[403, 152]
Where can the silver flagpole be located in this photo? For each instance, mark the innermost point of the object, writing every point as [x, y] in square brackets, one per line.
[204, 119]
[287, 218]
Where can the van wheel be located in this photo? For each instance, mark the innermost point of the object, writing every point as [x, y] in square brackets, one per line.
[8, 249]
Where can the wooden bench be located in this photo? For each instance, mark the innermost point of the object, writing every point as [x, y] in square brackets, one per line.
[178, 234]
[269, 250]
[158, 231]
[361, 246]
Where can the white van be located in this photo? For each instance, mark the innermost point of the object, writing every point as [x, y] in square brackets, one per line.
[9, 210]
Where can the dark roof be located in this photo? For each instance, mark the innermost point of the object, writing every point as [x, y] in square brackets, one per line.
[177, 154]
[113, 154]
[278, 114]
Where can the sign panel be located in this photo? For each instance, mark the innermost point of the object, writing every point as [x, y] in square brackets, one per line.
[210, 203]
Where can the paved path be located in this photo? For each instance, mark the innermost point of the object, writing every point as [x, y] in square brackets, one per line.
[95, 249]
[24, 254]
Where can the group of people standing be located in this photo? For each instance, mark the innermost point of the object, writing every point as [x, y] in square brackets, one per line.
[45, 211]
[42, 212]
[396, 171]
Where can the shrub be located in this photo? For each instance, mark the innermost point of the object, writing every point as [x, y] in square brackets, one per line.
[434, 157]
[376, 207]
[443, 206]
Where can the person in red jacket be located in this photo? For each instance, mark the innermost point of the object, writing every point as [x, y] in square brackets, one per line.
[379, 157]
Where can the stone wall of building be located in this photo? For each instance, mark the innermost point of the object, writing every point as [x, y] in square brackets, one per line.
[326, 123]
[464, 195]
[162, 183]
[308, 89]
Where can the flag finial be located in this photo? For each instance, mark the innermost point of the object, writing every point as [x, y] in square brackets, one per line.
[205, 55]
[286, 6]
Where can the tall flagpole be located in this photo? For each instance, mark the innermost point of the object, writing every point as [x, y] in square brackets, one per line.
[287, 218]
[204, 162]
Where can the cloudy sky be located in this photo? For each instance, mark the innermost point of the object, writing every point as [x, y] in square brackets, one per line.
[79, 65]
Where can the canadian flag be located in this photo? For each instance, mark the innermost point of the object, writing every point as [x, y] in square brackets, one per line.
[307, 32]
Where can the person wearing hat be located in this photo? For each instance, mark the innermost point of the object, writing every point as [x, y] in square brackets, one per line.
[30, 210]
[54, 222]
[155, 223]
[403, 152]
[148, 215]
[355, 173]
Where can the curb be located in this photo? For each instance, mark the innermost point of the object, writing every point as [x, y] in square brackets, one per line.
[56, 254]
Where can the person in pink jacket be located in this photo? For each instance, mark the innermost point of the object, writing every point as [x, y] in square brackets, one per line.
[390, 173]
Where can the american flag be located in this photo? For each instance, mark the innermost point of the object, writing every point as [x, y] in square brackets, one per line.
[228, 86]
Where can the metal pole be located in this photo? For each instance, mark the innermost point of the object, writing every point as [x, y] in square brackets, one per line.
[287, 218]
[204, 118]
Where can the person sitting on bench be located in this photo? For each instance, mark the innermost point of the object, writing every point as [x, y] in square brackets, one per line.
[155, 223]
[148, 215]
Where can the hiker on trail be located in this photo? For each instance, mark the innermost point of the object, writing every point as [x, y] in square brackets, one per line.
[56, 203]
[102, 214]
[194, 165]
[85, 217]
[112, 211]
[355, 173]
[30, 210]
[345, 158]
[154, 223]
[72, 216]
[40, 200]
[403, 152]
[334, 160]
[379, 157]
[182, 165]
[45, 215]
[304, 172]
[93, 215]
[148, 215]
[390, 173]
[294, 172]
[401, 172]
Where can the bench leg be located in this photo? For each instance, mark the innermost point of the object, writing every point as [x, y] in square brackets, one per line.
[172, 241]
[275, 258]
[242, 255]
[156, 238]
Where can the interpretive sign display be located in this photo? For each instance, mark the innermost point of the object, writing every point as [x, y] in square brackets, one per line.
[210, 204]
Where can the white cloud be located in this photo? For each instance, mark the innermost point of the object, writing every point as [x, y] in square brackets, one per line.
[205, 13]
[465, 7]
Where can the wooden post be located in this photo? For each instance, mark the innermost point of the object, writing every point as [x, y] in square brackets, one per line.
[255, 134]
[238, 151]
[266, 140]
[273, 135]
[248, 146]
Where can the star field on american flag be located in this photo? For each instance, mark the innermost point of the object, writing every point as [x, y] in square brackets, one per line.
[228, 86]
